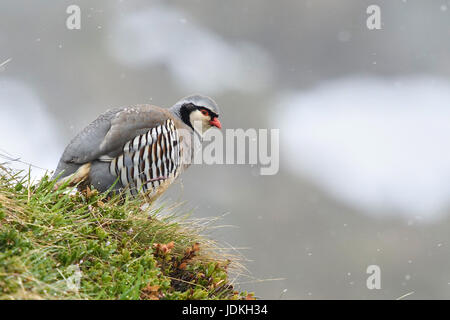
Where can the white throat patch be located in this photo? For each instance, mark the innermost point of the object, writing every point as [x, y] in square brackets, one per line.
[199, 122]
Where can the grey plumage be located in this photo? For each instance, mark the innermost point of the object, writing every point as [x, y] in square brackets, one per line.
[197, 100]
[138, 148]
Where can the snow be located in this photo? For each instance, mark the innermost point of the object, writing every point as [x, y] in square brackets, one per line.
[378, 145]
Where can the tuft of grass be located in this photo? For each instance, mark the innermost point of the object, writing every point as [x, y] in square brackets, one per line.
[65, 244]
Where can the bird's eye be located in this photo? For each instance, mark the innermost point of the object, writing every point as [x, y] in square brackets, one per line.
[204, 112]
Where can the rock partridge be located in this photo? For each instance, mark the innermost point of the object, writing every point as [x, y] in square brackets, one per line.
[140, 149]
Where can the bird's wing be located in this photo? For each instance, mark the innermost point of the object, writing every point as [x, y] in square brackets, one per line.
[107, 135]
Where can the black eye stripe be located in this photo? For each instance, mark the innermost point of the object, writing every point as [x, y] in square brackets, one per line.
[210, 113]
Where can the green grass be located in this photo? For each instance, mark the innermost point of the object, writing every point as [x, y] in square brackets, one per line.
[69, 245]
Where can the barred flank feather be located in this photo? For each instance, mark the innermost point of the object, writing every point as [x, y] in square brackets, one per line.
[149, 159]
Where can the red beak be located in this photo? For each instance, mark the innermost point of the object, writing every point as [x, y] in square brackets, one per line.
[216, 123]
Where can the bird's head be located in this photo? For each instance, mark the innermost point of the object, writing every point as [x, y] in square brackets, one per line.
[199, 112]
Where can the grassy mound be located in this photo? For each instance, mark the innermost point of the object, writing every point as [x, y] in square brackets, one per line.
[71, 245]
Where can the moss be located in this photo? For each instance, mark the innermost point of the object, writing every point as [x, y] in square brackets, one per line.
[70, 245]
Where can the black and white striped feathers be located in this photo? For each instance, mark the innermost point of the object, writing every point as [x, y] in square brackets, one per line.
[148, 160]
